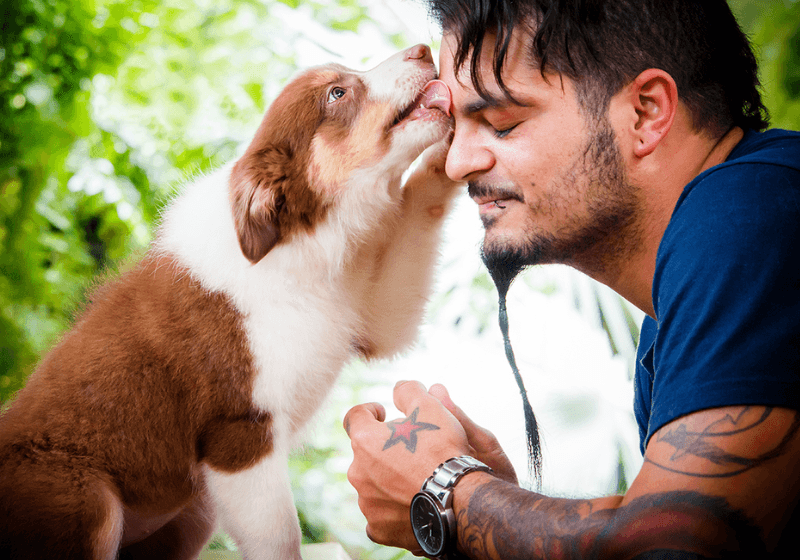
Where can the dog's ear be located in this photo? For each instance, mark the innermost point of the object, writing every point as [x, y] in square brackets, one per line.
[256, 191]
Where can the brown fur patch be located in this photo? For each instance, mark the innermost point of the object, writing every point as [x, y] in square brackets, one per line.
[335, 156]
[283, 184]
[271, 195]
[228, 444]
[145, 388]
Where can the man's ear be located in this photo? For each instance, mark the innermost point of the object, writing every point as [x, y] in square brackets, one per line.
[256, 193]
[655, 99]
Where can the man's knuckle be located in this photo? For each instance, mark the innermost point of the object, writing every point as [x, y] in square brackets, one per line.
[408, 387]
[360, 439]
[353, 476]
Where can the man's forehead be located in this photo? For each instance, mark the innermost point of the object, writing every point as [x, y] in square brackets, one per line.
[519, 80]
[447, 56]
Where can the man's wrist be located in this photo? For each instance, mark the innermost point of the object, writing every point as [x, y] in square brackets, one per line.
[466, 486]
[432, 514]
[462, 493]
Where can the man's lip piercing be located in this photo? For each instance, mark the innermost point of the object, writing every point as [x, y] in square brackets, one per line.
[497, 203]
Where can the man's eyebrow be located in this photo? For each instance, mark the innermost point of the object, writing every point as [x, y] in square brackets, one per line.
[483, 103]
[492, 102]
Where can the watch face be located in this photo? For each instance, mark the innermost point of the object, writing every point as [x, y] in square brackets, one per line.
[427, 524]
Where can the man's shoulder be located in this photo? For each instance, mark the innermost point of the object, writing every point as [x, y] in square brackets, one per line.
[774, 146]
[737, 222]
[762, 171]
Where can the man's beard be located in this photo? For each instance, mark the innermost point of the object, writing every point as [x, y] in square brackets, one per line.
[612, 205]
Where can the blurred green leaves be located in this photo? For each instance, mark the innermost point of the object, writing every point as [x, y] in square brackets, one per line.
[52, 239]
[774, 28]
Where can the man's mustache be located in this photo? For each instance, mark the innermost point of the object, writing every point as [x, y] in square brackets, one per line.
[483, 191]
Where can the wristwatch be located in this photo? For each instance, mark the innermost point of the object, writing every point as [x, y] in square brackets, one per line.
[432, 517]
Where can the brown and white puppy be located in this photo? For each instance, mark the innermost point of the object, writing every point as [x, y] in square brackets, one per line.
[176, 397]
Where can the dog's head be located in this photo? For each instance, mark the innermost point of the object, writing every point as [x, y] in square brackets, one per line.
[332, 130]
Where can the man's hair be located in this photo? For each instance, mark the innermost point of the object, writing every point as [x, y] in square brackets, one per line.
[602, 45]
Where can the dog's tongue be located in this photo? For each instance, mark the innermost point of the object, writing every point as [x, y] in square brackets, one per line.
[436, 95]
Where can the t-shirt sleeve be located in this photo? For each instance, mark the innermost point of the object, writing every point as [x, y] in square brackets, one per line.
[727, 294]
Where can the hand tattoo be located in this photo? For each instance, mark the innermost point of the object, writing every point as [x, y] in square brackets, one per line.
[406, 431]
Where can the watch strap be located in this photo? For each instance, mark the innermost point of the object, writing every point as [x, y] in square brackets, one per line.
[447, 475]
[440, 485]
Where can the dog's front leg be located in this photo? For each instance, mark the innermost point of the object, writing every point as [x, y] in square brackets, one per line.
[256, 509]
[401, 285]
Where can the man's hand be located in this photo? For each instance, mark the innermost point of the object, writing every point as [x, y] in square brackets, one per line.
[392, 459]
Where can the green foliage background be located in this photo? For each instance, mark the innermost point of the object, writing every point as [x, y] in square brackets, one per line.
[106, 104]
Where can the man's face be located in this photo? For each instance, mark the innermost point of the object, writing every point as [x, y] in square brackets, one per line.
[548, 179]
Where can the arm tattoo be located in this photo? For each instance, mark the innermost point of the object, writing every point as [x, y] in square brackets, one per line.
[505, 522]
[662, 554]
[703, 444]
[406, 431]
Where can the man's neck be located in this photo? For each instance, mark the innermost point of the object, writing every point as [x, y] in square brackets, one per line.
[723, 148]
[631, 275]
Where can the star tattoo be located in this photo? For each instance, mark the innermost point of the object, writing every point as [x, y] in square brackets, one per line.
[406, 431]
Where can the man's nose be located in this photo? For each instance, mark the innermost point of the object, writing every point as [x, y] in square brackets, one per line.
[467, 155]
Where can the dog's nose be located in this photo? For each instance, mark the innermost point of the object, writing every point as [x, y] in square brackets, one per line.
[419, 52]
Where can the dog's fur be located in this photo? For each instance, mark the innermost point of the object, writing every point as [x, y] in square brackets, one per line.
[179, 392]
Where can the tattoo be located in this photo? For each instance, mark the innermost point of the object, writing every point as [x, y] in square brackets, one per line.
[662, 554]
[503, 521]
[703, 444]
[406, 431]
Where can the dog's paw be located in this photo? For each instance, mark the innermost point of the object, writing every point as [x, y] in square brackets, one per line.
[429, 184]
[434, 158]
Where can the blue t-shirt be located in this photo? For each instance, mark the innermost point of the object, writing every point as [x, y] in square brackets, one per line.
[726, 290]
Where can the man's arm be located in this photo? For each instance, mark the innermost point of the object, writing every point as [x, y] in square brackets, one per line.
[717, 482]
[714, 482]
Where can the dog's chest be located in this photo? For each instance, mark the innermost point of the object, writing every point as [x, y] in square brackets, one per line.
[299, 342]
[298, 313]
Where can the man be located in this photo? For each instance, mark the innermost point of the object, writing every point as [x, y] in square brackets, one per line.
[620, 137]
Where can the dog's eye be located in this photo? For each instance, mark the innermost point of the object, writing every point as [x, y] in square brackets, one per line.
[336, 94]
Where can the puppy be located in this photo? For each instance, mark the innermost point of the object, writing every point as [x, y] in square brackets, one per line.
[176, 397]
